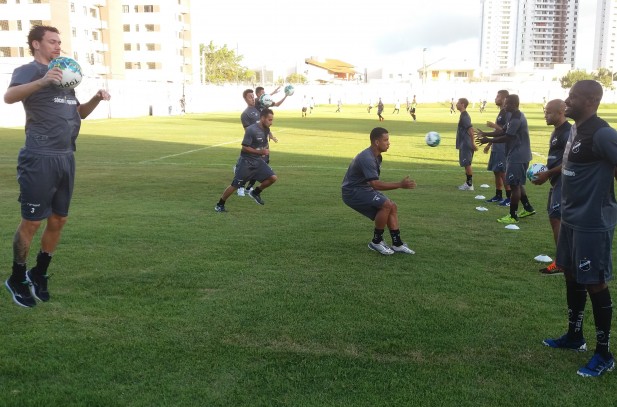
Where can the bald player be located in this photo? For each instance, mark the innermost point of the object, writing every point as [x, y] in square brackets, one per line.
[588, 219]
[555, 115]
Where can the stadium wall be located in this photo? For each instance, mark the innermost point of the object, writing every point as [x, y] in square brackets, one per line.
[138, 99]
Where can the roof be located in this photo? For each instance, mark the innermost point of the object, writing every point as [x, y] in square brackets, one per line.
[332, 65]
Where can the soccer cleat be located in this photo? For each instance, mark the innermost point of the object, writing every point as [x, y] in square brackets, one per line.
[563, 342]
[496, 199]
[524, 213]
[597, 366]
[380, 247]
[508, 219]
[240, 191]
[551, 270]
[465, 187]
[402, 249]
[38, 285]
[20, 293]
[256, 197]
[505, 202]
[220, 208]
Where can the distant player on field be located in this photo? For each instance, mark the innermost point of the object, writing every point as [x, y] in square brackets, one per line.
[465, 143]
[497, 159]
[518, 155]
[361, 192]
[251, 164]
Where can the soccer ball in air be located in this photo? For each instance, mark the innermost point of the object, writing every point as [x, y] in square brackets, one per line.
[289, 90]
[534, 169]
[432, 138]
[71, 71]
[266, 100]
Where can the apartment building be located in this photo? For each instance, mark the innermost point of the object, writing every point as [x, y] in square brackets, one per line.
[605, 46]
[136, 40]
[541, 32]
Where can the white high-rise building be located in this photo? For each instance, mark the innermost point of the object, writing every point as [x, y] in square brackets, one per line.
[538, 32]
[605, 44]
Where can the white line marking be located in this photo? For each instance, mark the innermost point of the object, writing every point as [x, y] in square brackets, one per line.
[188, 152]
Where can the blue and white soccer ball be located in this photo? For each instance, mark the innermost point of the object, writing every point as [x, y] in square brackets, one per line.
[71, 71]
[266, 100]
[432, 139]
[534, 169]
[289, 90]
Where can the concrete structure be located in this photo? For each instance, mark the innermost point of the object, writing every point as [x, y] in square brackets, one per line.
[539, 31]
[605, 44]
[109, 39]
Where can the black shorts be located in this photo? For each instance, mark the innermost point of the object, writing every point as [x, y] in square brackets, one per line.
[366, 202]
[516, 173]
[251, 168]
[587, 255]
[45, 184]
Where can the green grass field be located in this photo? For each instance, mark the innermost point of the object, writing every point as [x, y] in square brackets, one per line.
[159, 301]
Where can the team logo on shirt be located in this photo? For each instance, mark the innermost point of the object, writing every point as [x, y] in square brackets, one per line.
[584, 265]
[576, 147]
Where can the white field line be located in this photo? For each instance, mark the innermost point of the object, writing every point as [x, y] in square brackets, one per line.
[189, 152]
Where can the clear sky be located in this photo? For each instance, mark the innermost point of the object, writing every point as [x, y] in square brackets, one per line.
[364, 33]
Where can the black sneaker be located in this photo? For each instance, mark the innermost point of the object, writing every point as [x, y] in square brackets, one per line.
[20, 292]
[220, 208]
[38, 285]
[256, 197]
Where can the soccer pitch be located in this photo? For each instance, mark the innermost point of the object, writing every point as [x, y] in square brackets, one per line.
[157, 300]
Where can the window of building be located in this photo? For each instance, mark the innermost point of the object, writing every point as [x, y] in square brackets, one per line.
[74, 32]
[136, 27]
[137, 65]
[2, 1]
[95, 35]
[150, 47]
[126, 28]
[4, 25]
[93, 13]
[151, 65]
[136, 8]
[36, 22]
[125, 8]
[127, 47]
[35, 1]
[5, 51]
[72, 7]
[19, 27]
[128, 65]
[22, 51]
[460, 74]
[148, 9]
[85, 10]
[149, 27]
[138, 47]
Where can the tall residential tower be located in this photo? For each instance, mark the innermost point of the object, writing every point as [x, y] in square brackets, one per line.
[605, 44]
[540, 32]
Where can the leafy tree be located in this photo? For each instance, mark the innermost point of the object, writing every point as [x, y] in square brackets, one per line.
[222, 65]
[603, 75]
[296, 78]
[574, 76]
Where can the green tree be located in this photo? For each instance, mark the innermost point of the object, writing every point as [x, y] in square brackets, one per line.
[574, 76]
[222, 65]
[296, 78]
[603, 75]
